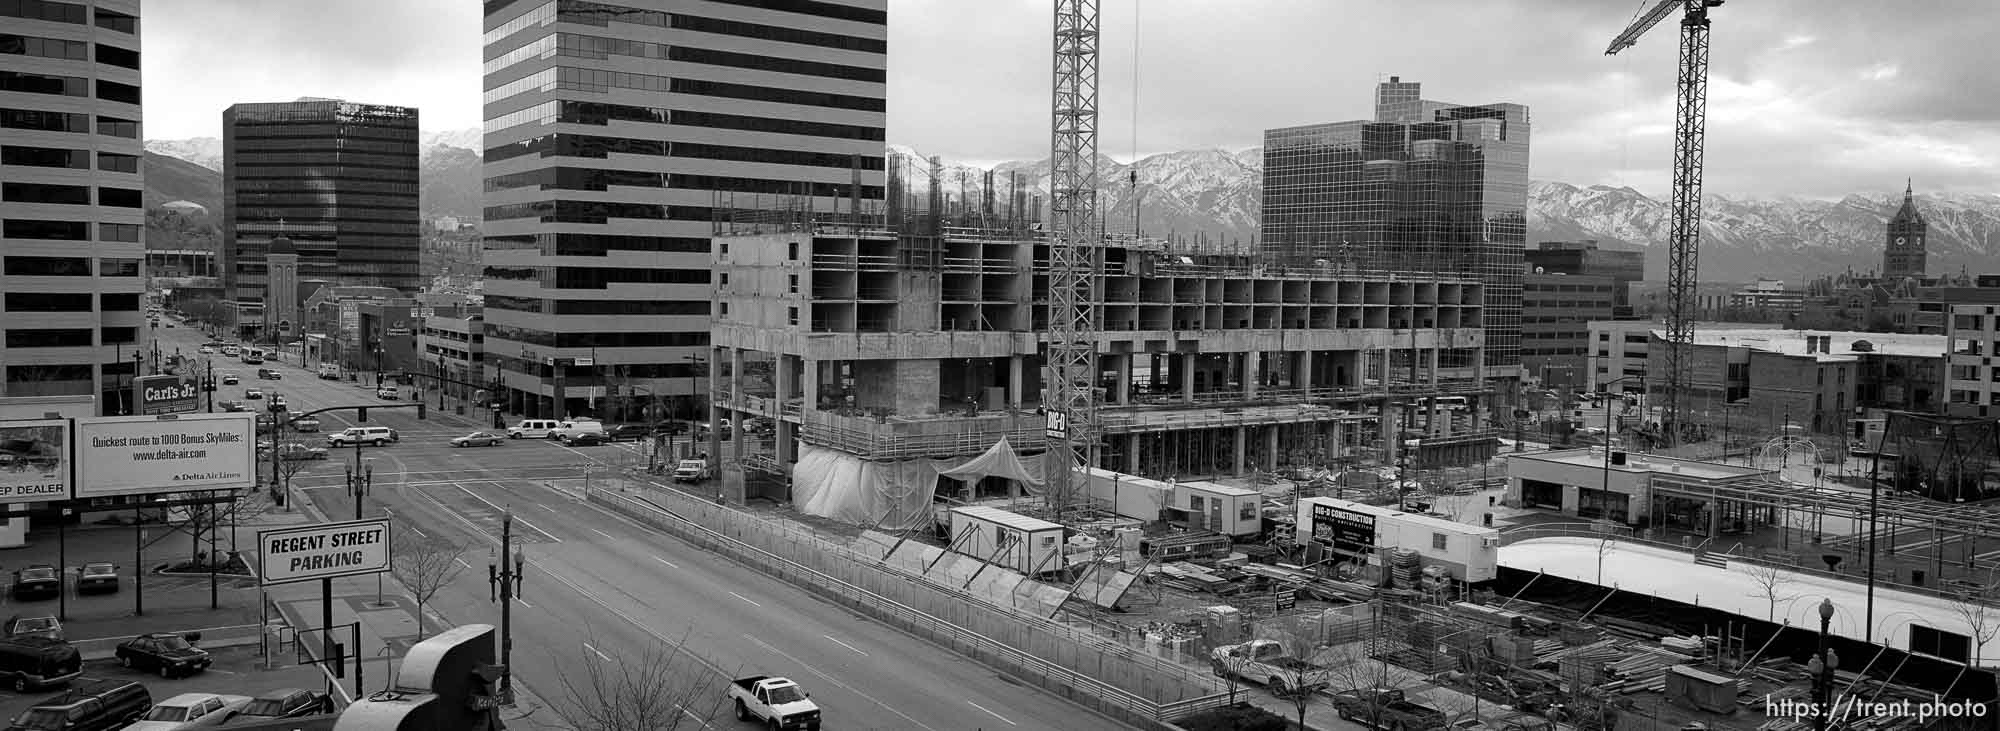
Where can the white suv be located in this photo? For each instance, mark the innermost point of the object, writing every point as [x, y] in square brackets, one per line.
[376, 435]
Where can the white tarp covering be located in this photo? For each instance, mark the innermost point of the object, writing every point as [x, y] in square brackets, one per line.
[998, 461]
[841, 486]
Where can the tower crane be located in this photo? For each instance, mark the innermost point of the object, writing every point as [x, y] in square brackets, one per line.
[1069, 398]
[1684, 236]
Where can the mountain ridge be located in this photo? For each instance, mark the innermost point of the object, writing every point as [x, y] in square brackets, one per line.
[1213, 195]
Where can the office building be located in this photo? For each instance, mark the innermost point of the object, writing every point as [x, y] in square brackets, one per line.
[1973, 335]
[1425, 187]
[1556, 312]
[72, 214]
[338, 179]
[613, 132]
[1585, 258]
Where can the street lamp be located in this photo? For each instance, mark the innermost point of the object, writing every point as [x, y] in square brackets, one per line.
[1821, 668]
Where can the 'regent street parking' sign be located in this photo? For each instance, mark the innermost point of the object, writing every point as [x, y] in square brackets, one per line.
[325, 551]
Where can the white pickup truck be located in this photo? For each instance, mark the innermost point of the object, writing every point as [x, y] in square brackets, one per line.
[691, 470]
[1260, 661]
[777, 702]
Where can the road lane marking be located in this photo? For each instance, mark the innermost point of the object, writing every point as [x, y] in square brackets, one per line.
[836, 681]
[525, 603]
[664, 561]
[462, 562]
[989, 712]
[545, 507]
[607, 658]
[744, 598]
[602, 533]
[843, 644]
[413, 529]
[524, 521]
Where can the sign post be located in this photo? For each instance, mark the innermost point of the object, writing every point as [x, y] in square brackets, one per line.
[325, 552]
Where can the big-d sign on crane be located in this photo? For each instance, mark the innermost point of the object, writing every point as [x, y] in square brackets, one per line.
[1684, 236]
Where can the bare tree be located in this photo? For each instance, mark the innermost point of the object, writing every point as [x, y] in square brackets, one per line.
[425, 565]
[1771, 584]
[1230, 667]
[1981, 619]
[662, 688]
[1300, 680]
[1604, 546]
[1366, 689]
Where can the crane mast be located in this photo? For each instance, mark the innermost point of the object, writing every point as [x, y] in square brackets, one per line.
[1070, 394]
[1684, 230]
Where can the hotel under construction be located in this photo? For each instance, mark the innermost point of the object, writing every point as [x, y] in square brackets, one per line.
[924, 339]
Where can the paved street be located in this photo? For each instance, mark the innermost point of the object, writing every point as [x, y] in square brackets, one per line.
[601, 587]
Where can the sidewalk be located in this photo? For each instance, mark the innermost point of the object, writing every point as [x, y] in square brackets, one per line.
[388, 629]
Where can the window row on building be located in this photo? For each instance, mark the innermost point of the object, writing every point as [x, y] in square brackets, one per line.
[70, 195]
[596, 179]
[602, 114]
[74, 13]
[45, 121]
[591, 146]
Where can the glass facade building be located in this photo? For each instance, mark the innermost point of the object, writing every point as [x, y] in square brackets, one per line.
[1425, 187]
[72, 215]
[337, 178]
[613, 132]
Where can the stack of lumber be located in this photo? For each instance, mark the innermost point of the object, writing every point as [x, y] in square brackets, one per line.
[1405, 568]
[1644, 670]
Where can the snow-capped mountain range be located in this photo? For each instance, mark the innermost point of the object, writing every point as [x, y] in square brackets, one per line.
[1214, 196]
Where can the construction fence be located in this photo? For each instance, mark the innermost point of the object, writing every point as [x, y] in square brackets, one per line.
[1070, 662]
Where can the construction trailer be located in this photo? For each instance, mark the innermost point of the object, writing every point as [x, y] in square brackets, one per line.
[1470, 553]
[1131, 496]
[1231, 511]
[1031, 546]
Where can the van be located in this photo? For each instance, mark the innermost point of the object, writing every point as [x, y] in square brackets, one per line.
[379, 436]
[32, 662]
[570, 431]
[329, 372]
[533, 429]
[99, 705]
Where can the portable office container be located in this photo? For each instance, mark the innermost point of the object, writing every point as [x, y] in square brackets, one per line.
[1010, 540]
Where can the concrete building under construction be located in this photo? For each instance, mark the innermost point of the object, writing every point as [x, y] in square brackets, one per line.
[923, 344]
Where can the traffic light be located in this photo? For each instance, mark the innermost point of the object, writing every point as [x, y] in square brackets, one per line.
[361, 415]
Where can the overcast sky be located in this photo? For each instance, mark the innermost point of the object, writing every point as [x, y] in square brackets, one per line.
[1807, 97]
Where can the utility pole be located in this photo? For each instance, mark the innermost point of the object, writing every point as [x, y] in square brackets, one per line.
[505, 581]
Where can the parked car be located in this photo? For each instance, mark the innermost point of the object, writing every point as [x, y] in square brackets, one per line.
[286, 703]
[379, 436]
[267, 374]
[229, 378]
[37, 581]
[628, 432]
[45, 626]
[388, 393]
[672, 426]
[190, 710]
[1386, 709]
[478, 439]
[231, 406]
[165, 653]
[691, 470]
[97, 577]
[38, 662]
[307, 423]
[296, 451]
[759, 425]
[98, 705]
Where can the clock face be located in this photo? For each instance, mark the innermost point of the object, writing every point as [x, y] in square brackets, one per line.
[1900, 241]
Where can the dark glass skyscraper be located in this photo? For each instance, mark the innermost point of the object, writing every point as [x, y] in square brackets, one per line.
[1425, 187]
[337, 178]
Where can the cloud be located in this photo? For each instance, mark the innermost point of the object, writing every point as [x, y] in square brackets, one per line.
[1805, 99]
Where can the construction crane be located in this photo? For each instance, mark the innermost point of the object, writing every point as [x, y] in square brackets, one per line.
[1684, 233]
[1069, 399]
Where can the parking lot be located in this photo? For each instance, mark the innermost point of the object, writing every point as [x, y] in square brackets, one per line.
[237, 671]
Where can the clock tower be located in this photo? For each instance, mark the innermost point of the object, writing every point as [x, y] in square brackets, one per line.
[1903, 253]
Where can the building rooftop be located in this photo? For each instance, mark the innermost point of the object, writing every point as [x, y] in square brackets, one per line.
[1793, 342]
[1594, 459]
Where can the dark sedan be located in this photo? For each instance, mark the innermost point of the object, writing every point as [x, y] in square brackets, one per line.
[40, 581]
[165, 653]
[584, 439]
[628, 432]
[97, 578]
[286, 703]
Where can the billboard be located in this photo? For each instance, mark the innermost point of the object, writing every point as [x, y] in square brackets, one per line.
[167, 394]
[1349, 532]
[34, 460]
[324, 551]
[136, 455]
